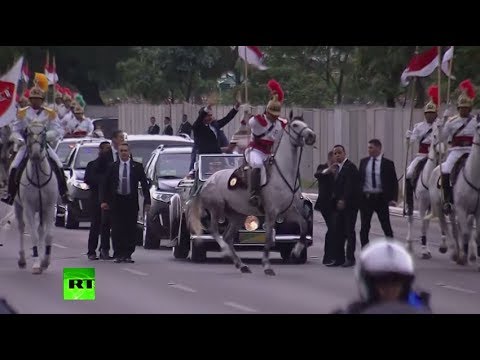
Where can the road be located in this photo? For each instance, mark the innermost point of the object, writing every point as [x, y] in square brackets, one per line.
[157, 283]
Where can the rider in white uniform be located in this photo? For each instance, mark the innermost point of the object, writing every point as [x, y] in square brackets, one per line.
[267, 130]
[79, 123]
[421, 134]
[54, 132]
[459, 131]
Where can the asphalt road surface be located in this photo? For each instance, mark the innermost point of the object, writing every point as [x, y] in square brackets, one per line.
[157, 283]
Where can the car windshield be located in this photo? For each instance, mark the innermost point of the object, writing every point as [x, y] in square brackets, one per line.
[141, 150]
[172, 166]
[63, 150]
[211, 164]
[84, 156]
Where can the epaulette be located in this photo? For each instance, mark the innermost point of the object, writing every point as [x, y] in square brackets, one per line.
[22, 112]
[52, 114]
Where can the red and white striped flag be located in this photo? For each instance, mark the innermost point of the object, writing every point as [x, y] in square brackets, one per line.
[25, 72]
[51, 71]
[252, 55]
[421, 65]
[447, 57]
[8, 93]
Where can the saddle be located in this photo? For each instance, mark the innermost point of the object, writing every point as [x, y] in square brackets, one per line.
[418, 171]
[239, 178]
[459, 165]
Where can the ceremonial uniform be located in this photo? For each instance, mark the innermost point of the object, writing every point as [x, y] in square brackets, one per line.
[267, 130]
[75, 125]
[459, 131]
[54, 132]
[421, 134]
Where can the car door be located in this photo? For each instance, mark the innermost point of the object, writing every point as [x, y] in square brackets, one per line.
[149, 172]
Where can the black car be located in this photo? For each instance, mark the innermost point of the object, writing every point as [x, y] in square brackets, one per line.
[251, 237]
[167, 166]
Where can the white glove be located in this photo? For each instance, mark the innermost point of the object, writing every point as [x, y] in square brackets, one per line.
[408, 134]
[447, 113]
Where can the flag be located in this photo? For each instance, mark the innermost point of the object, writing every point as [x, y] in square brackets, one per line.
[8, 93]
[421, 65]
[25, 72]
[447, 57]
[252, 55]
[51, 71]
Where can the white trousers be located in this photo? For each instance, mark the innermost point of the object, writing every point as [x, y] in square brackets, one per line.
[452, 158]
[255, 158]
[21, 154]
[413, 165]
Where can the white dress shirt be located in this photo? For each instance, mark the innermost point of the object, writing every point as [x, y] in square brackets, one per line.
[340, 166]
[120, 176]
[368, 186]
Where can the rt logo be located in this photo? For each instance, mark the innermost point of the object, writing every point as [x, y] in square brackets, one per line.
[78, 284]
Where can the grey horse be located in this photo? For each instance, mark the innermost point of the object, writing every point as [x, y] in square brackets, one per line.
[278, 194]
[38, 193]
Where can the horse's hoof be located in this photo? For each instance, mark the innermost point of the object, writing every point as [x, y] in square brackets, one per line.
[454, 257]
[36, 270]
[44, 265]
[426, 256]
[472, 258]
[269, 272]
[22, 264]
[443, 250]
[462, 261]
[245, 269]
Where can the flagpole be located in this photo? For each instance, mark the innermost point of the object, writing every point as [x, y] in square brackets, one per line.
[450, 66]
[246, 76]
[412, 106]
[54, 82]
[439, 80]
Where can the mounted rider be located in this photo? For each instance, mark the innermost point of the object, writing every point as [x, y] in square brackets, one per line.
[36, 111]
[459, 130]
[267, 130]
[79, 123]
[421, 134]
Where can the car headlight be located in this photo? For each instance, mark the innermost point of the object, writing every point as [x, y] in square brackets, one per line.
[81, 185]
[161, 196]
[251, 223]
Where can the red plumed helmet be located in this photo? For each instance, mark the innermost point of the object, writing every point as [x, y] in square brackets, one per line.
[276, 89]
[467, 87]
[433, 93]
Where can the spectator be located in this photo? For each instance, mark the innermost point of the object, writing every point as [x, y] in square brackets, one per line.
[185, 126]
[168, 130]
[153, 129]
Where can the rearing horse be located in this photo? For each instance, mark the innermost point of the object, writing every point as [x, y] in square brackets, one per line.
[38, 193]
[278, 194]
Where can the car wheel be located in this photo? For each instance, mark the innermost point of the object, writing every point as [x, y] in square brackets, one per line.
[59, 220]
[149, 239]
[199, 253]
[181, 250]
[70, 220]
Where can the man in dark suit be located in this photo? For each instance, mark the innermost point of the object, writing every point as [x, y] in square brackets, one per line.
[185, 126]
[380, 189]
[205, 129]
[94, 178]
[153, 129]
[168, 130]
[346, 191]
[117, 139]
[325, 177]
[120, 196]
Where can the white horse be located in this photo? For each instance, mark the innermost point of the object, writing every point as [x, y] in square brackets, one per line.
[278, 194]
[5, 149]
[37, 193]
[422, 196]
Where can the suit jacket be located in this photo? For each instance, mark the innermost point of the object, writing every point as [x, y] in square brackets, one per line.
[153, 130]
[95, 177]
[185, 128]
[388, 177]
[205, 139]
[325, 186]
[137, 175]
[168, 130]
[346, 185]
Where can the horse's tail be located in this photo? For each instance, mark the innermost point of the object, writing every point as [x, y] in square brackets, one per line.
[195, 215]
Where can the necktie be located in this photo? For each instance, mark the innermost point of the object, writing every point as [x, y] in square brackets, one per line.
[374, 180]
[124, 180]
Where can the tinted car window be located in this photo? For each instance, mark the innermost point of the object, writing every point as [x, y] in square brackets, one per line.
[108, 126]
[211, 164]
[172, 166]
[84, 156]
[63, 150]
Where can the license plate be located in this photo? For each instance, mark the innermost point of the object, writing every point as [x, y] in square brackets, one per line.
[251, 237]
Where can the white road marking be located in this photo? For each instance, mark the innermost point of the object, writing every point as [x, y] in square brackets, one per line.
[456, 288]
[59, 246]
[181, 287]
[239, 307]
[136, 272]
